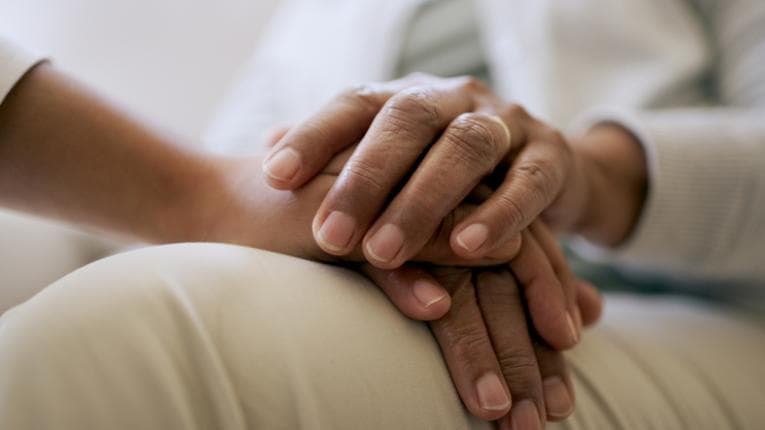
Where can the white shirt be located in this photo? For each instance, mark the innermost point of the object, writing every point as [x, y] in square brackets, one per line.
[14, 63]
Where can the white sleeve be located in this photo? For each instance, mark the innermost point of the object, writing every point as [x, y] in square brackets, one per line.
[705, 211]
[14, 63]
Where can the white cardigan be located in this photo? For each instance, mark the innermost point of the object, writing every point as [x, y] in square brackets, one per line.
[688, 77]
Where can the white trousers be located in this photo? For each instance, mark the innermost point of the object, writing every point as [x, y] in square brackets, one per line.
[222, 337]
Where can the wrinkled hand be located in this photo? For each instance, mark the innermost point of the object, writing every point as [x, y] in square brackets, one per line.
[497, 361]
[239, 194]
[545, 287]
[551, 302]
[428, 142]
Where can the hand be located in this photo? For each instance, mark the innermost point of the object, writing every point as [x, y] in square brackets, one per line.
[437, 139]
[485, 331]
[234, 204]
[538, 264]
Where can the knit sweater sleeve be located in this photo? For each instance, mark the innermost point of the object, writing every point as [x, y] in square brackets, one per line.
[705, 211]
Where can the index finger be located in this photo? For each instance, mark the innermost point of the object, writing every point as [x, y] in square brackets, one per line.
[307, 148]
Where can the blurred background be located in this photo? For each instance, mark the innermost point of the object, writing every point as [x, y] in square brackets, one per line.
[169, 61]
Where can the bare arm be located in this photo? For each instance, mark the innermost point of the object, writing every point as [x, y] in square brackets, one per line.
[68, 154]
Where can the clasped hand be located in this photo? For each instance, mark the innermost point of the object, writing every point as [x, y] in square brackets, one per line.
[440, 192]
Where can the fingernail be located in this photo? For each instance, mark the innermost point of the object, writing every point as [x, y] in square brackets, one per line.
[572, 328]
[491, 393]
[525, 416]
[336, 232]
[473, 237]
[386, 243]
[283, 165]
[557, 398]
[427, 293]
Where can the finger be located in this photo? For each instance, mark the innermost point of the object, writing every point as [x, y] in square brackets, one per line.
[438, 252]
[468, 351]
[307, 147]
[396, 140]
[412, 290]
[437, 249]
[501, 304]
[534, 180]
[469, 149]
[554, 252]
[275, 134]
[556, 382]
[305, 151]
[590, 302]
[544, 295]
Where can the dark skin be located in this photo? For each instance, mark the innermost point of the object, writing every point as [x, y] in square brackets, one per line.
[442, 138]
[68, 154]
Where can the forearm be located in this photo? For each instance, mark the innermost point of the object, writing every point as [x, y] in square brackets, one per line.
[68, 154]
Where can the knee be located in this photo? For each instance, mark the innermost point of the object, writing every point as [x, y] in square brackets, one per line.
[154, 317]
[160, 286]
[174, 294]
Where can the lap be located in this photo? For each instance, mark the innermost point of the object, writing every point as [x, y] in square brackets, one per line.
[669, 362]
[216, 336]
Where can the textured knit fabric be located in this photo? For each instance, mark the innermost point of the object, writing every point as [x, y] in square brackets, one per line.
[221, 337]
[687, 73]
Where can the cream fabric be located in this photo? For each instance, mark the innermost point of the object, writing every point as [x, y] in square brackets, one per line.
[220, 337]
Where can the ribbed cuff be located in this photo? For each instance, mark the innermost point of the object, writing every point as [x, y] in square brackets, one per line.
[697, 203]
[15, 61]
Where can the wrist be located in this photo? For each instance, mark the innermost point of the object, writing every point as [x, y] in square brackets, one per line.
[185, 214]
[614, 170]
[222, 198]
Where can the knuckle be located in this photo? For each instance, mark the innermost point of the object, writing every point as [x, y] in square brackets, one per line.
[553, 135]
[514, 110]
[522, 367]
[510, 212]
[496, 282]
[414, 106]
[363, 96]
[469, 345]
[476, 139]
[363, 176]
[503, 293]
[473, 84]
[542, 178]
[318, 130]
